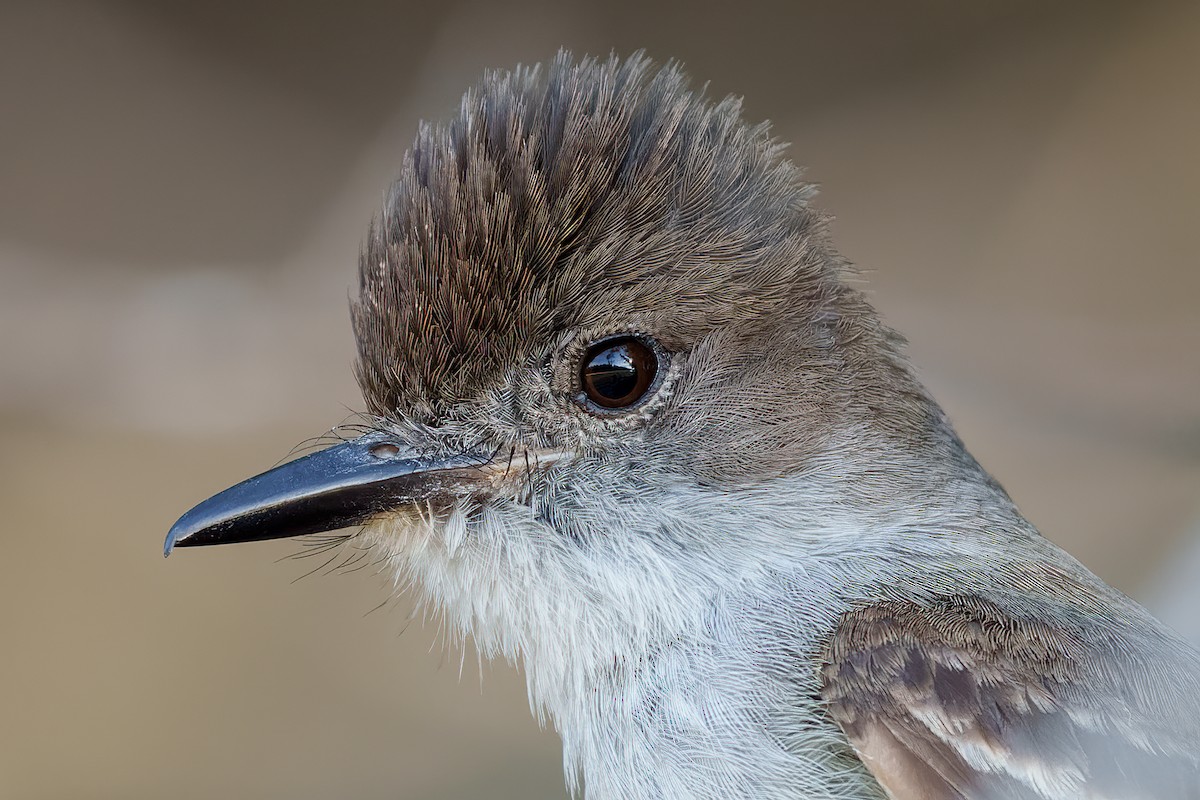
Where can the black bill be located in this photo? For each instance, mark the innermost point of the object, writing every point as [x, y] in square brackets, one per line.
[341, 486]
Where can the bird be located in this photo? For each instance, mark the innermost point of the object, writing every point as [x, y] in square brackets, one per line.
[633, 424]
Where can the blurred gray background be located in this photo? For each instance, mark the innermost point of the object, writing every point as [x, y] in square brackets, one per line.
[183, 190]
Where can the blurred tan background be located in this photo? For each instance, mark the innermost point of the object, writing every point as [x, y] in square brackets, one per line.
[183, 189]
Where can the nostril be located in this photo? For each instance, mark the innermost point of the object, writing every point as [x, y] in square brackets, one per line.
[385, 450]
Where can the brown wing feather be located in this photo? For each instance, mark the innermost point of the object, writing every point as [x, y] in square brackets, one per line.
[957, 699]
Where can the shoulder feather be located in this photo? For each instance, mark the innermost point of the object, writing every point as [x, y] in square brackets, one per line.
[962, 700]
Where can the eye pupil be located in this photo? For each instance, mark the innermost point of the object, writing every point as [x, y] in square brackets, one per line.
[612, 374]
[617, 372]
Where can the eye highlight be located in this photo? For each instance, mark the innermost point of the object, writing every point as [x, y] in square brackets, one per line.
[618, 371]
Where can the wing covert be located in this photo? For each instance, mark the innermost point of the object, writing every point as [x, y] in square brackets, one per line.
[957, 699]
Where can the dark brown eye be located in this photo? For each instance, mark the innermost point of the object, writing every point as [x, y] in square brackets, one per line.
[617, 372]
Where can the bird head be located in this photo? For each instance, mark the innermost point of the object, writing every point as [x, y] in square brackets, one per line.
[610, 360]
